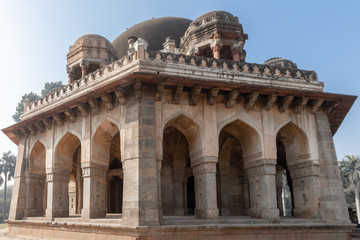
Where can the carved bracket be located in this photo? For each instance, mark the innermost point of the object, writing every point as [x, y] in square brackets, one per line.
[47, 122]
[84, 109]
[40, 125]
[194, 95]
[330, 107]
[108, 99]
[285, 102]
[250, 100]
[315, 104]
[59, 118]
[138, 90]
[299, 103]
[120, 95]
[211, 95]
[159, 91]
[177, 94]
[231, 98]
[269, 101]
[71, 114]
[95, 105]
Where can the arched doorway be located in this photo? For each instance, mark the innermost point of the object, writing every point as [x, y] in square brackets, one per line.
[177, 180]
[36, 182]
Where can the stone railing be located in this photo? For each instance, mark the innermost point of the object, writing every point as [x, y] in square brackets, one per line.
[253, 69]
[243, 67]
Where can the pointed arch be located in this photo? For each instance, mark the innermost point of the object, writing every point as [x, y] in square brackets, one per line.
[191, 129]
[64, 151]
[37, 162]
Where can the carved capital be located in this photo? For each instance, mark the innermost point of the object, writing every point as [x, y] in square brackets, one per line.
[285, 102]
[194, 95]
[177, 94]
[250, 100]
[231, 98]
[108, 99]
[120, 95]
[269, 101]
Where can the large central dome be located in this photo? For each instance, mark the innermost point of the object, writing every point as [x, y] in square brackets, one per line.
[154, 31]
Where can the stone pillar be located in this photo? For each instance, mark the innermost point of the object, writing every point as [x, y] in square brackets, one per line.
[262, 184]
[178, 190]
[205, 188]
[216, 46]
[237, 51]
[18, 200]
[57, 197]
[332, 197]
[141, 197]
[84, 66]
[305, 180]
[95, 188]
[70, 73]
[35, 188]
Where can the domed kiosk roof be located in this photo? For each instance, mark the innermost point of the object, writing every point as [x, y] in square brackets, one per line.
[154, 31]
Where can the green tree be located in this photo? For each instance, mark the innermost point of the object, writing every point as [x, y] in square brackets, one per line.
[20, 107]
[34, 96]
[350, 174]
[7, 169]
[50, 86]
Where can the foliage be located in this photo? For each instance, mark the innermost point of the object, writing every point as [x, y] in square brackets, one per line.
[50, 86]
[20, 107]
[7, 170]
[34, 96]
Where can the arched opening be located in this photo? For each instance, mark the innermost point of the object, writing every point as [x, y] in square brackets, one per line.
[107, 153]
[177, 180]
[36, 184]
[237, 141]
[115, 177]
[67, 190]
[296, 183]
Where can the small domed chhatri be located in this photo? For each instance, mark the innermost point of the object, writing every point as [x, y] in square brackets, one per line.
[168, 133]
[88, 53]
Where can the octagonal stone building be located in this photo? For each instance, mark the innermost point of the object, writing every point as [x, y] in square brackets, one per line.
[167, 132]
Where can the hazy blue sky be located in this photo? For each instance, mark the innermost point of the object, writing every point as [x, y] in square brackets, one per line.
[317, 35]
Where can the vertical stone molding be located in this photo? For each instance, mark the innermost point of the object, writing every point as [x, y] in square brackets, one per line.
[332, 198]
[94, 187]
[205, 188]
[262, 185]
[58, 196]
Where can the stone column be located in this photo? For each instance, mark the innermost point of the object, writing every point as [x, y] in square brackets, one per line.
[95, 187]
[305, 180]
[332, 197]
[35, 188]
[57, 196]
[84, 67]
[216, 45]
[262, 184]
[18, 200]
[70, 73]
[178, 190]
[205, 188]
